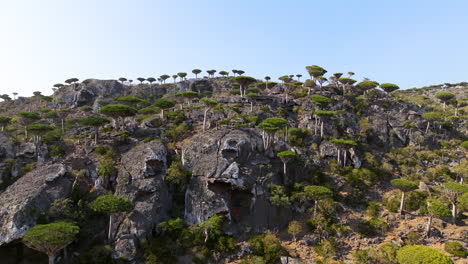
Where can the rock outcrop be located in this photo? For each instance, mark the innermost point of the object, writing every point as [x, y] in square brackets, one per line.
[227, 180]
[33, 193]
[141, 180]
[6, 152]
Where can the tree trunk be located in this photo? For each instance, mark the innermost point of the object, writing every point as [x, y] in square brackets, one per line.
[321, 129]
[251, 106]
[204, 119]
[427, 128]
[162, 113]
[339, 163]
[428, 226]
[96, 135]
[315, 207]
[51, 259]
[284, 169]
[109, 236]
[402, 201]
[345, 156]
[454, 213]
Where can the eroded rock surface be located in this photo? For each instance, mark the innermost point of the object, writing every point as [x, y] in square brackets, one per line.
[141, 180]
[227, 179]
[33, 193]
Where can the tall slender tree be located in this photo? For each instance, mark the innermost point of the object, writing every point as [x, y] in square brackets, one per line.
[405, 186]
[196, 72]
[51, 238]
[111, 204]
[96, 122]
[244, 82]
[209, 104]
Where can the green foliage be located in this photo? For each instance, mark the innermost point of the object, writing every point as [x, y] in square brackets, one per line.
[244, 80]
[344, 142]
[456, 187]
[389, 87]
[315, 71]
[118, 110]
[273, 124]
[373, 209]
[464, 144]
[372, 227]
[326, 248]
[39, 129]
[320, 100]
[367, 85]
[110, 204]
[50, 238]
[101, 149]
[324, 113]
[5, 120]
[94, 121]
[421, 255]
[28, 167]
[268, 247]
[317, 192]
[456, 249]
[297, 136]
[444, 96]
[56, 150]
[413, 238]
[278, 196]
[177, 132]
[209, 102]
[52, 136]
[164, 103]
[385, 254]
[431, 116]
[404, 184]
[286, 154]
[177, 174]
[129, 100]
[29, 115]
[415, 200]
[436, 208]
[106, 169]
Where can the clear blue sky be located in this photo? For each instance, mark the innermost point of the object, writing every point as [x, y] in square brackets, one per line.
[411, 43]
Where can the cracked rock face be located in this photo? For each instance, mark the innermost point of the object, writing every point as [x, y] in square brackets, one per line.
[226, 179]
[33, 193]
[6, 152]
[141, 180]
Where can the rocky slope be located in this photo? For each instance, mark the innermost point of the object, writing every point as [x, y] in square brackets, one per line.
[169, 168]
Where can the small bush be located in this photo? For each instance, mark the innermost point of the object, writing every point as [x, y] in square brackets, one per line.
[101, 150]
[56, 150]
[455, 249]
[373, 209]
[413, 238]
[372, 227]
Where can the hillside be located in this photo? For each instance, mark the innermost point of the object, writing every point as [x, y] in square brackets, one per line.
[235, 170]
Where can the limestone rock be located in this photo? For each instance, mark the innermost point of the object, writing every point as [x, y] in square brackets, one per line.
[141, 180]
[33, 193]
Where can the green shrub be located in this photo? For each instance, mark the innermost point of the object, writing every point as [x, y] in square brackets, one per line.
[101, 149]
[28, 167]
[413, 238]
[326, 248]
[421, 255]
[267, 246]
[56, 150]
[372, 227]
[373, 209]
[456, 249]
[414, 200]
